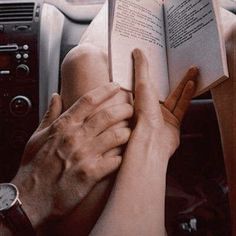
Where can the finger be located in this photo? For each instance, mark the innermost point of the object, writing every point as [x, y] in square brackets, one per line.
[183, 103]
[141, 69]
[107, 165]
[121, 124]
[110, 139]
[53, 112]
[146, 96]
[86, 105]
[169, 117]
[114, 152]
[173, 98]
[108, 117]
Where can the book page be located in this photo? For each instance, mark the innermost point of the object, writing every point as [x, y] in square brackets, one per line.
[138, 24]
[194, 38]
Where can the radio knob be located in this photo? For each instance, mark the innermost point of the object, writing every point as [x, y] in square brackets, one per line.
[20, 106]
[22, 70]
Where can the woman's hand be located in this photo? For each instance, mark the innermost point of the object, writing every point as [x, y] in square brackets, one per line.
[162, 120]
[64, 158]
[136, 205]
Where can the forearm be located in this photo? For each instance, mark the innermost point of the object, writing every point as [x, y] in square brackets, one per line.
[136, 205]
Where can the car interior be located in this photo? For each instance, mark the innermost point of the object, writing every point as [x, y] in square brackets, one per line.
[35, 36]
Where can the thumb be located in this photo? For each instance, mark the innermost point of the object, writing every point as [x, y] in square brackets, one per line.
[53, 112]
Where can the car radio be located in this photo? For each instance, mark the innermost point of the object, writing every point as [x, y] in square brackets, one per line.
[19, 81]
[14, 60]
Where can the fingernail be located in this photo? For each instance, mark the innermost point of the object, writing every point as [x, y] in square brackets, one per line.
[54, 95]
[194, 71]
[136, 53]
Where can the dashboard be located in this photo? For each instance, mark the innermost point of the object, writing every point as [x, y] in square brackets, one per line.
[19, 80]
[35, 36]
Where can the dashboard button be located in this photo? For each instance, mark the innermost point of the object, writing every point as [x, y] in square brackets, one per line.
[25, 56]
[25, 47]
[22, 70]
[5, 72]
[22, 27]
[18, 56]
[20, 106]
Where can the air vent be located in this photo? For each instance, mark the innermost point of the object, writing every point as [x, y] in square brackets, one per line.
[16, 12]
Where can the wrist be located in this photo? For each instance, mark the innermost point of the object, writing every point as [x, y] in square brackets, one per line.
[33, 203]
[153, 139]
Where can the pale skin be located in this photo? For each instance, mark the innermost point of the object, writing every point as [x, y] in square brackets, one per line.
[55, 139]
[106, 212]
[77, 77]
[136, 204]
[93, 204]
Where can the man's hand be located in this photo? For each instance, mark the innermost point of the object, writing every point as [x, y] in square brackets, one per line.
[64, 158]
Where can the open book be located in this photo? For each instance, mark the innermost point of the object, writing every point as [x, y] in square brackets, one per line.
[173, 34]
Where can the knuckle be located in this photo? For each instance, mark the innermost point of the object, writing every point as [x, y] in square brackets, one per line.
[60, 124]
[82, 153]
[69, 140]
[142, 83]
[118, 136]
[107, 115]
[57, 126]
[87, 172]
[88, 100]
[145, 86]
[90, 125]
